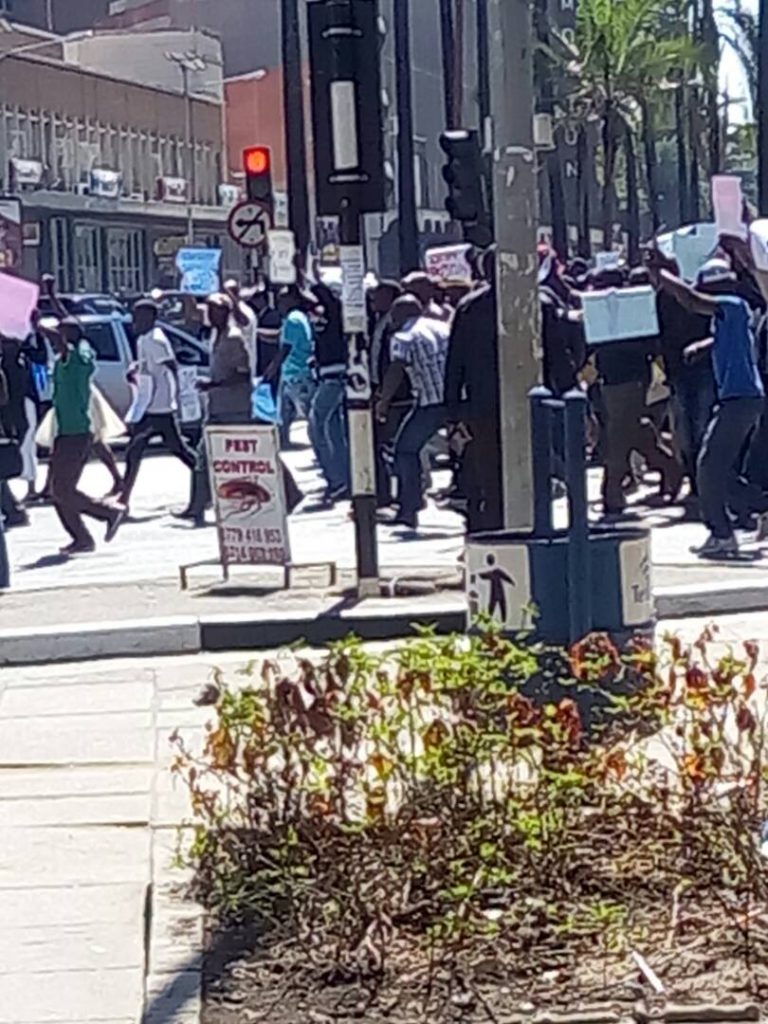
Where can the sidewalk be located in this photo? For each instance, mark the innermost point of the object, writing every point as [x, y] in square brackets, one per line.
[96, 929]
[125, 599]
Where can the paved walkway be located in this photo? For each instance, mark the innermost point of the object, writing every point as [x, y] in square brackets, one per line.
[92, 927]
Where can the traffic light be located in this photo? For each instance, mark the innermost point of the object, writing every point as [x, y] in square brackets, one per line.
[257, 163]
[467, 180]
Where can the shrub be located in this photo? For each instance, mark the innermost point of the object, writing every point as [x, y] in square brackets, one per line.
[445, 796]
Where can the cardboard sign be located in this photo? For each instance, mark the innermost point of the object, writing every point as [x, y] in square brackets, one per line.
[18, 298]
[728, 204]
[248, 495]
[620, 314]
[449, 263]
[353, 289]
[190, 406]
[692, 246]
[758, 242]
[200, 270]
[282, 257]
[607, 261]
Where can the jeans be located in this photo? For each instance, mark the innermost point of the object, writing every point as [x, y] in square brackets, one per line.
[693, 398]
[5, 571]
[70, 454]
[415, 432]
[719, 465]
[165, 426]
[295, 400]
[200, 498]
[328, 427]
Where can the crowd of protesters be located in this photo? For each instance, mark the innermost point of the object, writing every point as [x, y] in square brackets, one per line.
[687, 402]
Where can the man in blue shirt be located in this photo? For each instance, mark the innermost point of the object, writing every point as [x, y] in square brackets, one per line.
[293, 363]
[740, 396]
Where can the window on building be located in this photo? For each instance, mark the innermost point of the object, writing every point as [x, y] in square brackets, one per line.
[86, 258]
[125, 270]
[60, 262]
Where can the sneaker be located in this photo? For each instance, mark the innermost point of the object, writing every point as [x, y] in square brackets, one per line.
[78, 548]
[717, 547]
[762, 526]
[114, 524]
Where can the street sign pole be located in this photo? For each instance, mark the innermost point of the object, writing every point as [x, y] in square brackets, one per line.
[359, 404]
[349, 170]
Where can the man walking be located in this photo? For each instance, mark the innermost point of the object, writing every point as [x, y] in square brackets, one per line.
[229, 389]
[154, 411]
[740, 396]
[328, 411]
[419, 351]
[74, 368]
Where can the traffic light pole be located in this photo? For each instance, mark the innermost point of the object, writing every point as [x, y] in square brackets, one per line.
[407, 222]
[295, 134]
[511, 75]
[359, 405]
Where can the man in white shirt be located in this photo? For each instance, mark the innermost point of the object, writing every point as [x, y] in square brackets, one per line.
[154, 409]
[419, 350]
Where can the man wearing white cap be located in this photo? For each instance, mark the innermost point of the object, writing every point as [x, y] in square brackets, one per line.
[740, 396]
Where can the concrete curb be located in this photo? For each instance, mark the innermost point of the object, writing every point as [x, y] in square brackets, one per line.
[379, 619]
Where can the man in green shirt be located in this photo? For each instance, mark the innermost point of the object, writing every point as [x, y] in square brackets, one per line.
[72, 374]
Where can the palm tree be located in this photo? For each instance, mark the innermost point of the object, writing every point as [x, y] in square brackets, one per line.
[625, 50]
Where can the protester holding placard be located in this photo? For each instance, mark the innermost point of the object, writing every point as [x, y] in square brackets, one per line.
[740, 395]
[624, 367]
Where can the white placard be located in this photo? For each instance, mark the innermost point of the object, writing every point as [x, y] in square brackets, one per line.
[18, 298]
[499, 583]
[248, 495]
[758, 241]
[190, 406]
[448, 262]
[353, 289]
[607, 260]
[728, 204]
[636, 593]
[692, 246]
[282, 256]
[620, 314]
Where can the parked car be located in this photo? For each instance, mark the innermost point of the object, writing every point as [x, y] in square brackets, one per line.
[111, 338]
[81, 303]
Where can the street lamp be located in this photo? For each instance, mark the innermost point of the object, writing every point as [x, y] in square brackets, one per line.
[189, 63]
[40, 44]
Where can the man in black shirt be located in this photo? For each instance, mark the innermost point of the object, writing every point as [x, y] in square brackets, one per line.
[472, 398]
[328, 412]
[625, 373]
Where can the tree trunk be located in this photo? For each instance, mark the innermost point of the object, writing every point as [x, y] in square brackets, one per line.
[682, 155]
[584, 242]
[633, 204]
[651, 163]
[610, 146]
[545, 103]
[711, 69]
[557, 204]
[694, 208]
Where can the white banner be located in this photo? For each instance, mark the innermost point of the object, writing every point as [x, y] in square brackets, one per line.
[248, 495]
[449, 263]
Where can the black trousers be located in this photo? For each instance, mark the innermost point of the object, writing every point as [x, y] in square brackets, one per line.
[164, 425]
[718, 472]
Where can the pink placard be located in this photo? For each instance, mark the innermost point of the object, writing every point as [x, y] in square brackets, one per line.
[18, 298]
[728, 204]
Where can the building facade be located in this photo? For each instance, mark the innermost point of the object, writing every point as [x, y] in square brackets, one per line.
[105, 175]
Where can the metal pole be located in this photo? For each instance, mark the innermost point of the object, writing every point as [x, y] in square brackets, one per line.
[511, 64]
[447, 41]
[408, 225]
[295, 133]
[483, 67]
[579, 561]
[360, 420]
[189, 147]
[49, 15]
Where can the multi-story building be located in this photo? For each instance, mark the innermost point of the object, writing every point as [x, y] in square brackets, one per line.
[110, 172]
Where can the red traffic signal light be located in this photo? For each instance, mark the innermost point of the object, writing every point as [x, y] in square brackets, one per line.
[257, 160]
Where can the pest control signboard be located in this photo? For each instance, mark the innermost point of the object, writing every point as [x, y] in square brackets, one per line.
[248, 495]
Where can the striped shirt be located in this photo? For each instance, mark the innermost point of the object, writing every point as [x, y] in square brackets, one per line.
[422, 345]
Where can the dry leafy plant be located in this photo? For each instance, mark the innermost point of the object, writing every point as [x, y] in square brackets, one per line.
[465, 800]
